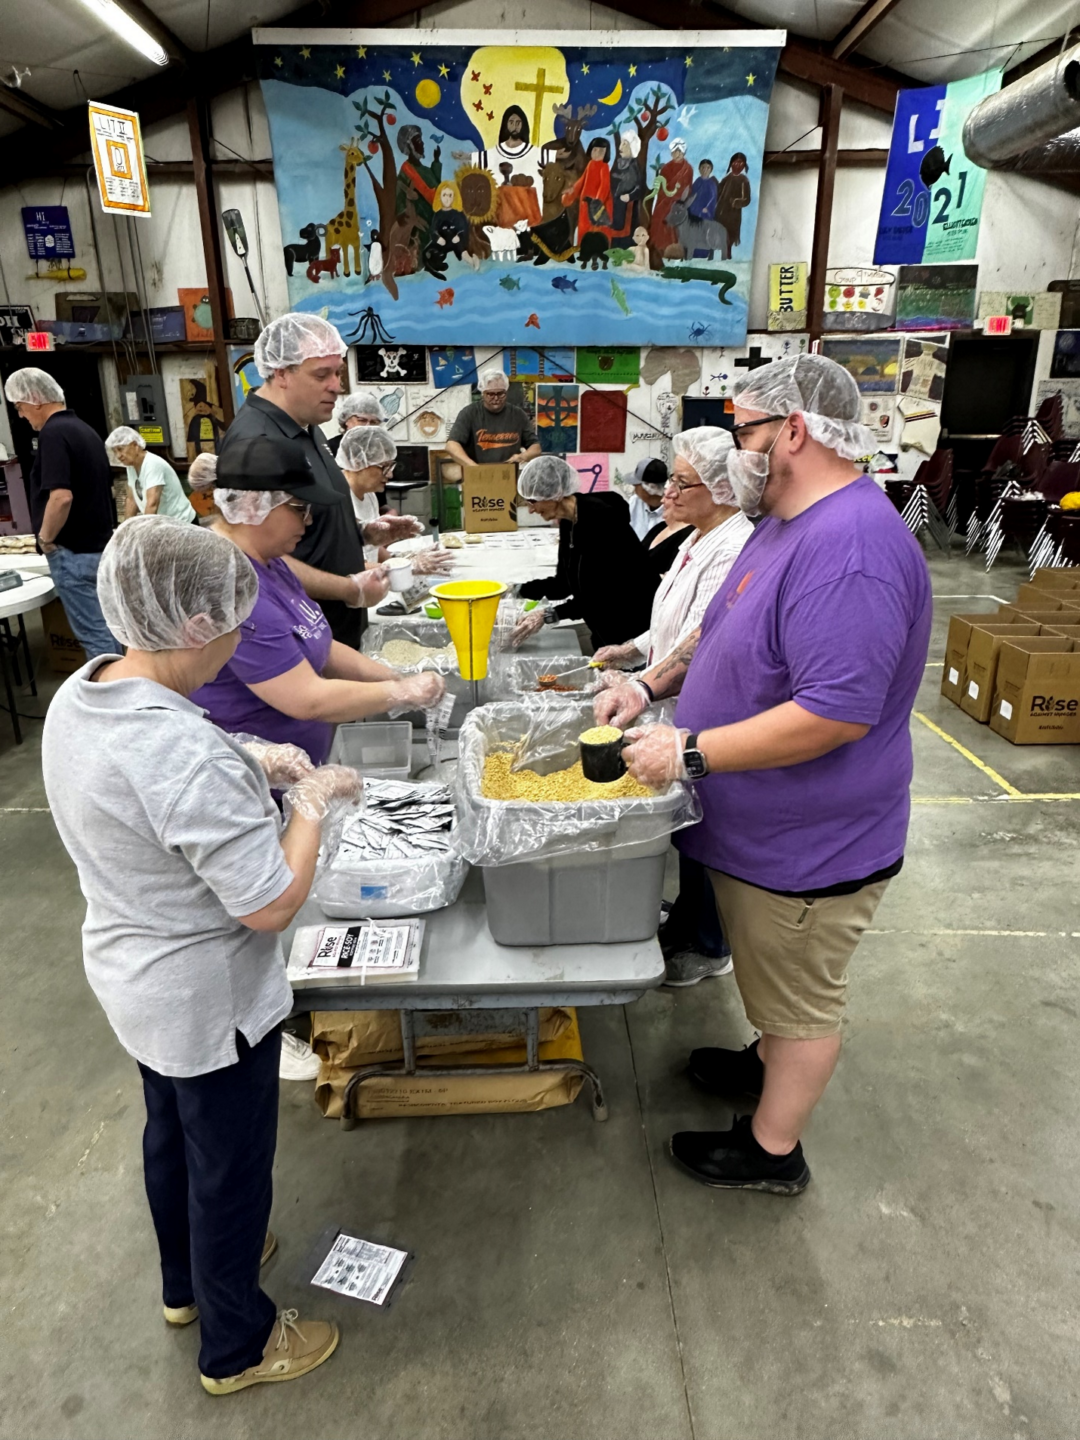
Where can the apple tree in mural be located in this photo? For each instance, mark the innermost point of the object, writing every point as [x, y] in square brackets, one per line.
[374, 137]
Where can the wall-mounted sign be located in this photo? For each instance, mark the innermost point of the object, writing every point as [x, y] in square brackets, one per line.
[116, 141]
[48, 232]
[15, 321]
[787, 296]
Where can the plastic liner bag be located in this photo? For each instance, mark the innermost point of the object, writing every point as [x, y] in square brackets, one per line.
[396, 858]
[512, 675]
[545, 739]
[411, 648]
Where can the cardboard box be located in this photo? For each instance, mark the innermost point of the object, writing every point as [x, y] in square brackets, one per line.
[1037, 691]
[65, 653]
[1034, 597]
[420, 1094]
[1007, 613]
[982, 662]
[1057, 577]
[489, 498]
[348, 1038]
[954, 675]
[1070, 632]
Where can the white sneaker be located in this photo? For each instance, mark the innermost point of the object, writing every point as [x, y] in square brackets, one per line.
[298, 1060]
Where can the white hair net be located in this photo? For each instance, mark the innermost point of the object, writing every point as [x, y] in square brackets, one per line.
[494, 380]
[706, 448]
[365, 445]
[202, 472]
[362, 404]
[249, 507]
[291, 339]
[818, 389]
[166, 585]
[124, 435]
[30, 386]
[547, 477]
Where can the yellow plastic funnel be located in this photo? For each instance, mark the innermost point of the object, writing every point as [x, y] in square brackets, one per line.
[469, 608]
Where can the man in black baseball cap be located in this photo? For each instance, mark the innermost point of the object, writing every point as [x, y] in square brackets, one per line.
[259, 463]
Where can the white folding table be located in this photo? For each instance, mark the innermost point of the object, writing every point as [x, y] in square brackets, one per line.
[35, 591]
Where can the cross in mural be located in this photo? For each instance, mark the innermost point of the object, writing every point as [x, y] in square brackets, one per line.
[540, 88]
[557, 418]
[753, 359]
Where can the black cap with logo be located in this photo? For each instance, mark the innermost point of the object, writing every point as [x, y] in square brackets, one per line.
[259, 463]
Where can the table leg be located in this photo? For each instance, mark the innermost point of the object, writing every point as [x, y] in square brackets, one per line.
[26, 651]
[5, 664]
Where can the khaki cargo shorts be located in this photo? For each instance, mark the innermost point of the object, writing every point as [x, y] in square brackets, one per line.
[791, 955]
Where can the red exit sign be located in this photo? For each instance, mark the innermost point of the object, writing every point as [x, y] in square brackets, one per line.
[39, 340]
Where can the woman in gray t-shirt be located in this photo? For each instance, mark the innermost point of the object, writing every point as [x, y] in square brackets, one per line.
[184, 955]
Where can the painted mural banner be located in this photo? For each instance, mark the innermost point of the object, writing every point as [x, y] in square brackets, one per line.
[932, 201]
[434, 188]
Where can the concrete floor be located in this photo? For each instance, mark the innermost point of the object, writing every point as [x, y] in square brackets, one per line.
[569, 1281]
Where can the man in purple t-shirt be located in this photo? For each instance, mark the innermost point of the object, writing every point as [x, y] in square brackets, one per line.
[794, 700]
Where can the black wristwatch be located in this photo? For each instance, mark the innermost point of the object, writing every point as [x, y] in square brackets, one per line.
[697, 767]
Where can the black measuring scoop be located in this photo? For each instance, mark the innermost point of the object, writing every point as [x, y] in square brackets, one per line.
[602, 760]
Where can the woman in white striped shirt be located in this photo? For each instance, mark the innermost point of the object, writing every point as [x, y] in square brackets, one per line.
[697, 494]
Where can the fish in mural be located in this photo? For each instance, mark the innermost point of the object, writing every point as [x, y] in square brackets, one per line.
[560, 282]
[935, 163]
[446, 297]
[510, 282]
[618, 294]
[533, 320]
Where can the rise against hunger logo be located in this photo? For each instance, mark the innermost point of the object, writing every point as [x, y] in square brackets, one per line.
[316, 620]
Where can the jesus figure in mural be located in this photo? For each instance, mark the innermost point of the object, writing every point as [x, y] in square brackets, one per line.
[513, 148]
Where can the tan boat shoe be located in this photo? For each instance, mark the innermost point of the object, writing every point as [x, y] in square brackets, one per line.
[180, 1315]
[290, 1352]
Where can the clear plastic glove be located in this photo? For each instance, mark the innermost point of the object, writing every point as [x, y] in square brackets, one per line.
[608, 679]
[621, 704]
[389, 528]
[435, 561]
[655, 754]
[313, 796]
[416, 692]
[371, 586]
[281, 764]
[528, 625]
[618, 654]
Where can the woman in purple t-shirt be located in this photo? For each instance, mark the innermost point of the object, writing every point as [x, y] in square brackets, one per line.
[289, 679]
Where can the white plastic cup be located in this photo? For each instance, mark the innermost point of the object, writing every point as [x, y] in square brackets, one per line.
[400, 574]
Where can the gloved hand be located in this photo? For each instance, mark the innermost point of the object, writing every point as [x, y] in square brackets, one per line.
[388, 528]
[621, 704]
[416, 692]
[618, 654]
[435, 561]
[313, 796]
[528, 625]
[281, 764]
[655, 754]
[371, 586]
[608, 680]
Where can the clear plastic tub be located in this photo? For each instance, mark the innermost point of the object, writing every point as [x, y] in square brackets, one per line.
[381, 748]
[514, 676]
[383, 889]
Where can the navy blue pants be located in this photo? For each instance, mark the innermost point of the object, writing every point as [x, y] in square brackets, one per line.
[694, 918]
[208, 1154]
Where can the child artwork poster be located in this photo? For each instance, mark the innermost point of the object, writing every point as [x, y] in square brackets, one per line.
[603, 191]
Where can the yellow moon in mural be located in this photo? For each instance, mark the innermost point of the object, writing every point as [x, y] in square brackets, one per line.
[532, 77]
[614, 97]
[428, 94]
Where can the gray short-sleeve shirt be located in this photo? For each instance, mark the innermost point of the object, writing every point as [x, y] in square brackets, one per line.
[174, 835]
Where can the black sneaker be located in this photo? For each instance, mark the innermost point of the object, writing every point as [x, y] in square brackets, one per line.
[733, 1160]
[731, 1073]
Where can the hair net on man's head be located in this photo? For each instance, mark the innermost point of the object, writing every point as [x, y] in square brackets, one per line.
[494, 380]
[291, 339]
[124, 435]
[362, 404]
[547, 477]
[651, 475]
[202, 472]
[166, 585]
[706, 448]
[818, 389]
[365, 445]
[249, 507]
[30, 386]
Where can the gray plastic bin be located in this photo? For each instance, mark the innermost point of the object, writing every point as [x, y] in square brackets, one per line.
[382, 748]
[581, 899]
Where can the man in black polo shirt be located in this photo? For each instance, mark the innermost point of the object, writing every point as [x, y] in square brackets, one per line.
[71, 502]
[299, 357]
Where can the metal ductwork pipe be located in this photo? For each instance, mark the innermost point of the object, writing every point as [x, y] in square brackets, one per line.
[1059, 156]
[1024, 116]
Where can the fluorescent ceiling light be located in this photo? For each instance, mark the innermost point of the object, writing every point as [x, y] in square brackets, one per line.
[128, 29]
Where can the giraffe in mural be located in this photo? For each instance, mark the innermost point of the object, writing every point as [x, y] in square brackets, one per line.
[344, 228]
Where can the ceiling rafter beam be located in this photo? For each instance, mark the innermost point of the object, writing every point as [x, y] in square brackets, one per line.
[26, 108]
[868, 18]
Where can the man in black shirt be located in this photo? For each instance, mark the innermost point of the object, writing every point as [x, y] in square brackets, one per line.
[299, 357]
[490, 431]
[71, 502]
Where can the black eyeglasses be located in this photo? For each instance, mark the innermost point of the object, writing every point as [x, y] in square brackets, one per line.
[749, 425]
[673, 482]
[299, 508]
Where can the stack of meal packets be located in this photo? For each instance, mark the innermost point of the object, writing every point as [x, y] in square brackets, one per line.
[363, 953]
[400, 821]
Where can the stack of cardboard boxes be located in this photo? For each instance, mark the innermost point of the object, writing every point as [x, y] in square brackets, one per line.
[1019, 669]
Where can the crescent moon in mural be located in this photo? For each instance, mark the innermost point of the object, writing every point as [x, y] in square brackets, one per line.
[614, 97]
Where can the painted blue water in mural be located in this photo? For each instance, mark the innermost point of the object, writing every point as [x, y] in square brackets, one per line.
[446, 191]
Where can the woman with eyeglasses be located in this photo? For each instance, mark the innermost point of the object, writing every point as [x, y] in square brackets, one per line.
[290, 681]
[367, 456]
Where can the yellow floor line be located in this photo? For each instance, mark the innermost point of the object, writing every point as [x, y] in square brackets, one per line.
[1017, 799]
[987, 770]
